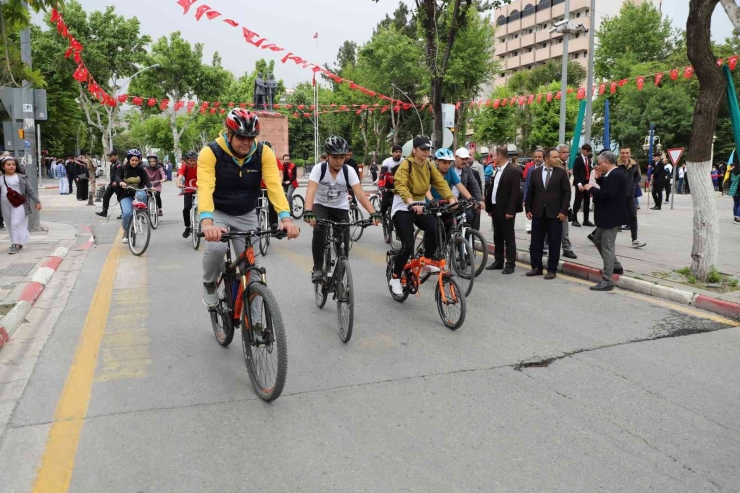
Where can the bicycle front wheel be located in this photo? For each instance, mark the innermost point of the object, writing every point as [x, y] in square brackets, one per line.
[355, 215]
[266, 352]
[461, 261]
[139, 233]
[345, 300]
[450, 302]
[264, 240]
[153, 213]
[374, 201]
[298, 205]
[480, 249]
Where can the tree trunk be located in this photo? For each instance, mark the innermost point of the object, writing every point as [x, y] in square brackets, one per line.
[437, 134]
[705, 249]
[175, 137]
[733, 12]
[363, 128]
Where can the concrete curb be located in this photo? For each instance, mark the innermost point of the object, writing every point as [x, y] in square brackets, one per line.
[31, 293]
[91, 240]
[683, 297]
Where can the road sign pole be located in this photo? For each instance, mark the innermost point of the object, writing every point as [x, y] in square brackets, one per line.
[673, 185]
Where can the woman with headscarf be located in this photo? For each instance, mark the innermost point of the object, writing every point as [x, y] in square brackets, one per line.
[16, 216]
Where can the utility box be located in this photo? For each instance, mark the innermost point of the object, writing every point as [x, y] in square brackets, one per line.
[41, 113]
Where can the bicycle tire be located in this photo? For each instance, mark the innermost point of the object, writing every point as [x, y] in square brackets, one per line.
[451, 287]
[461, 264]
[223, 327]
[299, 204]
[153, 213]
[277, 346]
[374, 202]
[263, 242]
[321, 289]
[355, 215]
[136, 244]
[388, 277]
[480, 249]
[387, 229]
[195, 225]
[419, 242]
[345, 300]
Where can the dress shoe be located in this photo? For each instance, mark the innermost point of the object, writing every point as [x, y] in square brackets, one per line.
[602, 286]
[509, 269]
[102, 213]
[495, 266]
[534, 272]
[625, 227]
[119, 217]
[591, 238]
[656, 208]
[550, 275]
[619, 271]
[575, 224]
[589, 224]
[570, 255]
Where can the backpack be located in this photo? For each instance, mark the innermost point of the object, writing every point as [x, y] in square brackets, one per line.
[345, 171]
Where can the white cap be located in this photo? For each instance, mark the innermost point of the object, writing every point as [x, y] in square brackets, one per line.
[484, 151]
[462, 153]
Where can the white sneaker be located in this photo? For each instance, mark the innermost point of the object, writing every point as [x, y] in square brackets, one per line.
[429, 269]
[638, 244]
[396, 287]
[125, 241]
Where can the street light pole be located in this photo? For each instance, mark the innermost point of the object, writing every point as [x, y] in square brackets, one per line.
[564, 78]
[421, 124]
[590, 83]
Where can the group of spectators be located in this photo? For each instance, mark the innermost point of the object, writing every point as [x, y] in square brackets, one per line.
[71, 172]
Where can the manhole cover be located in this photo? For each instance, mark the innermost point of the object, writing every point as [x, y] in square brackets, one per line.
[17, 270]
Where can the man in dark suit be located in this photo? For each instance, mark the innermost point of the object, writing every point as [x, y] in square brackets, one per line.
[503, 201]
[610, 198]
[581, 174]
[547, 203]
[659, 176]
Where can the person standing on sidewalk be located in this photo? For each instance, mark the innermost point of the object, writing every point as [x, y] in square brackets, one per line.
[734, 191]
[71, 169]
[82, 176]
[111, 189]
[658, 181]
[538, 161]
[680, 172]
[503, 201]
[567, 245]
[610, 198]
[632, 171]
[547, 203]
[581, 175]
[59, 172]
[668, 169]
[16, 216]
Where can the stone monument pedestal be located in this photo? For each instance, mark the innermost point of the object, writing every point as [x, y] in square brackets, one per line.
[274, 129]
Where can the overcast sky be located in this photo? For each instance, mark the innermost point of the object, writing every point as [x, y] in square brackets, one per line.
[291, 25]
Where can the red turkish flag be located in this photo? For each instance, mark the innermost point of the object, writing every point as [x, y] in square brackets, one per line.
[602, 88]
[213, 111]
[231, 22]
[658, 78]
[581, 93]
[138, 101]
[151, 102]
[216, 104]
[688, 72]
[505, 102]
[539, 98]
[622, 82]
[68, 53]
[613, 87]
[231, 104]
[719, 62]
[186, 4]
[640, 82]
[530, 100]
[674, 74]
[558, 95]
[496, 103]
[163, 104]
[191, 105]
[123, 98]
[732, 62]
[223, 111]
[179, 105]
[55, 15]
[549, 97]
[457, 105]
[522, 99]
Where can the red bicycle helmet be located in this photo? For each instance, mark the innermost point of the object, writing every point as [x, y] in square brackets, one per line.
[243, 123]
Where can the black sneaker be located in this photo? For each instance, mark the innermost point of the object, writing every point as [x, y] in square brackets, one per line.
[318, 276]
[187, 232]
[102, 213]
[575, 224]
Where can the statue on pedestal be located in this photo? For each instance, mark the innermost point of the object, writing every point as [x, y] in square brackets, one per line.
[260, 92]
[271, 89]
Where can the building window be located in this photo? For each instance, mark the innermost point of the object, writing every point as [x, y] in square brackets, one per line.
[543, 5]
[530, 31]
[576, 56]
[516, 36]
[503, 75]
[529, 50]
[528, 10]
[578, 14]
[578, 35]
[557, 2]
[516, 53]
[501, 20]
[514, 15]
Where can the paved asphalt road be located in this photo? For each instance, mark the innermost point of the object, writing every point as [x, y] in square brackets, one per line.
[547, 387]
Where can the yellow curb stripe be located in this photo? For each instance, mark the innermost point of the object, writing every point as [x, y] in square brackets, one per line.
[55, 472]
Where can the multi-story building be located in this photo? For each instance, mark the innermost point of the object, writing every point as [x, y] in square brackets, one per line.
[523, 38]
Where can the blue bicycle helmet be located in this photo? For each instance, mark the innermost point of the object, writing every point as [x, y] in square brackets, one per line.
[444, 154]
[133, 153]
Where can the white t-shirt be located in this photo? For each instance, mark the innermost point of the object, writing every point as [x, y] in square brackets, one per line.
[333, 193]
[390, 163]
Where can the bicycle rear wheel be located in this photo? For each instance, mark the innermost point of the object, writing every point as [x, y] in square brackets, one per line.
[196, 227]
[355, 215]
[480, 249]
[298, 206]
[221, 321]
[139, 233]
[153, 212]
[461, 260]
[451, 306]
[264, 226]
[345, 300]
[267, 357]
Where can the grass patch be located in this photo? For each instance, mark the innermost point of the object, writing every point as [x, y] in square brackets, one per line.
[716, 282]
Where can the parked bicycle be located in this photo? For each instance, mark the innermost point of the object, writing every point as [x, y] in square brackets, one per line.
[249, 305]
[449, 296]
[338, 274]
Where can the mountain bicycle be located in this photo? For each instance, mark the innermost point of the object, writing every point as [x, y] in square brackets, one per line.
[339, 281]
[140, 229]
[263, 221]
[194, 222]
[458, 252]
[298, 205]
[449, 296]
[389, 233]
[250, 305]
[355, 216]
[152, 206]
[461, 227]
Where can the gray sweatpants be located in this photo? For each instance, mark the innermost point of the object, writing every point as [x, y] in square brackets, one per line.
[605, 240]
[213, 258]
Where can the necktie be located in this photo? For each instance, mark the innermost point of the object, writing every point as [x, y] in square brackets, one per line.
[547, 177]
[588, 169]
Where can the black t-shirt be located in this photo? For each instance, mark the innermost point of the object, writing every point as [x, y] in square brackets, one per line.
[353, 164]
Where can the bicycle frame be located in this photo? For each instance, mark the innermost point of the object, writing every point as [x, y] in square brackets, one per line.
[245, 263]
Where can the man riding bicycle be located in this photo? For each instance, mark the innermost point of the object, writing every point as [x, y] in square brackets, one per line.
[290, 178]
[385, 180]
[326, 198]
[156, 175]
[230, 170]
[412, 180]
[130, 182]
[187, 179]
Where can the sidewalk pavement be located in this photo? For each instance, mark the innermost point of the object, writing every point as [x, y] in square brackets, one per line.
[24, 276]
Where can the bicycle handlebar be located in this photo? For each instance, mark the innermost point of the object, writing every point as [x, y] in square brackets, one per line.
[275, 233]
[364, 223]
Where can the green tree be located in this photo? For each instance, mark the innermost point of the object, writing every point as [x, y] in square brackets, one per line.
[403, 20]
[497, 125]
[529, 81]
[544, 132]
[181, 75]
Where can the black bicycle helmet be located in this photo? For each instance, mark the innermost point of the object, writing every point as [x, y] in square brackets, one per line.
[336, 145]
[191, 155]
[243, 123]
